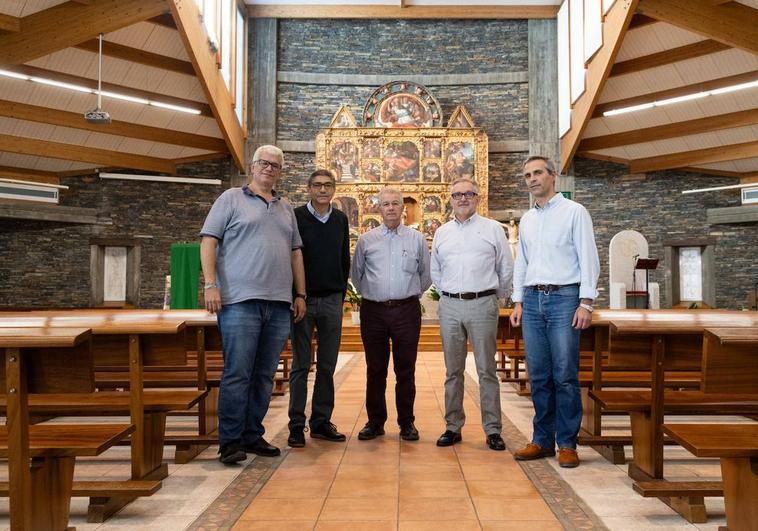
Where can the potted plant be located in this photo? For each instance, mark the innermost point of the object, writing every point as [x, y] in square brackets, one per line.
[432, 303]
[354, 299]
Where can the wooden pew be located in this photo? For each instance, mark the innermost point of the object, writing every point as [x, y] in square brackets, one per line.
[736, 445]
[730, 374]
[40, 495]
[131, 341]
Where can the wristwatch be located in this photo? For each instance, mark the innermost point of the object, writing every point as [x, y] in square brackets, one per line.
[587, 307]
[209, 285]
[300, 296]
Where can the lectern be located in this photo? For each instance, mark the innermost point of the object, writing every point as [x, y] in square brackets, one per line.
[646, 264]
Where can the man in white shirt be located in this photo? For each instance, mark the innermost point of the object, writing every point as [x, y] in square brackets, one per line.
[471, 267]
[554, 284]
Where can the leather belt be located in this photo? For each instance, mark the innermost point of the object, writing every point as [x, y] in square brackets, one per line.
[470, 296]
[550, 288]
[394, 302]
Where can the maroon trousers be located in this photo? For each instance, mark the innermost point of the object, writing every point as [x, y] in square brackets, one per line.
[400, 322]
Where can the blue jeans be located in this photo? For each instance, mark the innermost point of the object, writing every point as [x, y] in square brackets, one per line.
[254, 333]
[552, 358]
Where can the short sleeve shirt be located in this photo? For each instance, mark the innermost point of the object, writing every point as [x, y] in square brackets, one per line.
[256, 240]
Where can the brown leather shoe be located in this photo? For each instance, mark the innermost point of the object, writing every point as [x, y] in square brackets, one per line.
[533, 451]
[568, 458]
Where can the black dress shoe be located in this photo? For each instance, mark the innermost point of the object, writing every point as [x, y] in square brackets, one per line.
[449, 438]
[296, 438]
[231, 453]
[495, 442]
[328, 432]
[263, 448]
[370, 431]
[409, 432]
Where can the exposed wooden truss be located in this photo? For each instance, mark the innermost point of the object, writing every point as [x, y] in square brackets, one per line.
[615, 26]
[71, 23]
[693, 88]
[204, 109]
[25, 174]
[102, 157]
[683, 159]
[640, 21]
[666, 57]
[219, 98]
[142, 57]
[9, 24]
[733, 24]
[405, 12]
[34, 113]
[672, 130]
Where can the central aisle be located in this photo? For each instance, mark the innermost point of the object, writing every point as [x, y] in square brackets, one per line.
[392, 484]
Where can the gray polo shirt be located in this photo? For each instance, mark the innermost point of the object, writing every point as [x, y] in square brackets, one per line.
[256, 240]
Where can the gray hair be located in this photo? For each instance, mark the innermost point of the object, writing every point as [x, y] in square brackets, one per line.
[268, 149]
[465, 180]
[387, 190]
[549, 164]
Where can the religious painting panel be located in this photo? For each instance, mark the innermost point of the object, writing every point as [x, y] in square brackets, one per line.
[344, 162]
[371, 148]
[432, 149]
[432, 173]
[460, 161]
[401, 161]
[349, 206]
[371, 171]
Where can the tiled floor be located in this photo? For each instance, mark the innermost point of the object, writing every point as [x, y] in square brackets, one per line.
[392, 484]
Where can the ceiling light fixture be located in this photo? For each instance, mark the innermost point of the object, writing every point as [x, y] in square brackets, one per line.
[104, 93]
[678, 99]
[719, 188]
[158, 178]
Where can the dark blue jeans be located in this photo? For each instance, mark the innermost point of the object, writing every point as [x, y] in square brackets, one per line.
[254, 333]
[552, 357]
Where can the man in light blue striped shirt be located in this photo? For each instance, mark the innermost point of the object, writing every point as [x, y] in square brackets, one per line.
[554, 284]
[391, 270]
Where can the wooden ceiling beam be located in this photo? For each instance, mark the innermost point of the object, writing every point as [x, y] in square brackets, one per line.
[119, 51]
[749, 178]
[102, 157]
[67, 24]
[614, 28]
[187, 18]
[9, 23]
[683, 159]
[666, 57]
[25, 174]
[672, 130]
[694, 88]
[733, 24]
[46, 115]
[204, 109]
[405, 12]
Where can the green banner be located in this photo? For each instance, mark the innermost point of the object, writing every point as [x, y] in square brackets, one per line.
[185, 275]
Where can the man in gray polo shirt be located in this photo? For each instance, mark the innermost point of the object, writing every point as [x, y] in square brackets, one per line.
[250, 253]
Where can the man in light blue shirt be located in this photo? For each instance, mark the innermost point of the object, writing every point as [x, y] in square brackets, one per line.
[471, 267]
[391, 270]
[554, 284]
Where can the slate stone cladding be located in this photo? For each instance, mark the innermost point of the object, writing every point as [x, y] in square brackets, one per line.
[46, 264]
[656, 208]
[402, 46]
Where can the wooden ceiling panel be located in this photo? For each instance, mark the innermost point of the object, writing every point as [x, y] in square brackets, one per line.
[23, 8]
[653, 39]
[150, 38]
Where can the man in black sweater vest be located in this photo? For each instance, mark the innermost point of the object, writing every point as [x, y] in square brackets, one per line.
[326, 254]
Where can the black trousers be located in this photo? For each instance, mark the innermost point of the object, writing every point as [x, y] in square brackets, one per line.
[402, 325]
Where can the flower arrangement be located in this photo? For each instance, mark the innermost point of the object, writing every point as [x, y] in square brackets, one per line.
[352, 297]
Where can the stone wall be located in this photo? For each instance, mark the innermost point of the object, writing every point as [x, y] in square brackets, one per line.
[656, 208]
[47, 264]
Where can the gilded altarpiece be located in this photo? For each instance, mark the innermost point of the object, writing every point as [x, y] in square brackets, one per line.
[420, 162]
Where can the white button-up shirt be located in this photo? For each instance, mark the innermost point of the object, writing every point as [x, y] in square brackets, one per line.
[391, 264]
[471, 256]
[557, 246]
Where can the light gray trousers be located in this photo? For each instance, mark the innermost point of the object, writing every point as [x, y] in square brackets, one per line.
[476, 321]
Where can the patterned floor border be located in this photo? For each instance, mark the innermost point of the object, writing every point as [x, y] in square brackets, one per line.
[227, 508]
[569, 509]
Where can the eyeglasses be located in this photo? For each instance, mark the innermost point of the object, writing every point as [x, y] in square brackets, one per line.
[460, 195]
[267, 164]
[325, 186]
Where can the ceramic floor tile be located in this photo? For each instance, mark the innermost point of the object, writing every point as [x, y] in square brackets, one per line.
[359, 509]
[267, 525]
[433, 489]
[356, 526]
[504, 507]
[282, 488]
[283, 509]
[453, 525]
[430, 509]
[359, 488]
